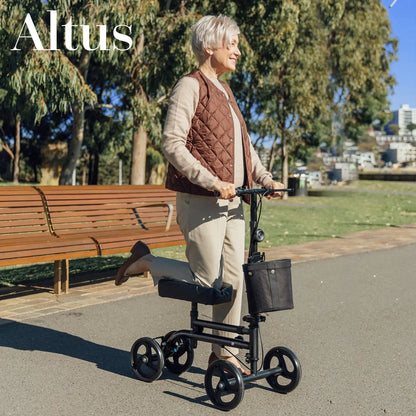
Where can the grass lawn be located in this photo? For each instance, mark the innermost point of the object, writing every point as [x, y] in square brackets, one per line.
[335, 213]
[325, 213]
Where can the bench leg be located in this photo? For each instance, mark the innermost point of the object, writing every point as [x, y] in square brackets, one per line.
[61, 279]
[65, 275]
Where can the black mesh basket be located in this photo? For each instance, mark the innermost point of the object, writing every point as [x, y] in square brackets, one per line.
[269, 286]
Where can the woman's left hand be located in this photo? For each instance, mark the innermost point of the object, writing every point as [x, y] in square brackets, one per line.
[274, 185]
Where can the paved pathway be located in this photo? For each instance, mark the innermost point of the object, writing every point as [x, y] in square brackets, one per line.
[24, 302]
[352, 329]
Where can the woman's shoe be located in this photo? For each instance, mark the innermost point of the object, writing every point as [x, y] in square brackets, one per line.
[213, 357]
[139, 250]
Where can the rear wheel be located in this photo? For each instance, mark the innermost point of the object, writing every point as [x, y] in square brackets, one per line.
[178, 352]
[147, 360]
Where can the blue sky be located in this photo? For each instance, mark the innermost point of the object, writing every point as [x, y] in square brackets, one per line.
[403, 21]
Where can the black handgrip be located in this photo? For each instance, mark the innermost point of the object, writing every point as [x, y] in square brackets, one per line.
[264, 191]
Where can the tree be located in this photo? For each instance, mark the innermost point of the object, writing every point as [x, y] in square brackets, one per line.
[287, 76]
[134, 14]
[394, 129]
[142, 76]
[309, 65]
[303, 72]
[34, 81]
[411, 127]
[360, 78]
[367, 143]
[161, 54]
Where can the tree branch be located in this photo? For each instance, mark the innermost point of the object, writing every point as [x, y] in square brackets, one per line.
[4, 146]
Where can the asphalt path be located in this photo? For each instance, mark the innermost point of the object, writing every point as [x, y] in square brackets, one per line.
[353, 330]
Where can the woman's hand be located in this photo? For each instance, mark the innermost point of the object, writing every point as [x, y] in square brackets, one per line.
[274, 185]
[225, 189]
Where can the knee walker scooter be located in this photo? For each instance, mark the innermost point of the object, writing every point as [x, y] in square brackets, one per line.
[268, 286]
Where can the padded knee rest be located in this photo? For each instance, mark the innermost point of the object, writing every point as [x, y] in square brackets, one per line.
[194, 293]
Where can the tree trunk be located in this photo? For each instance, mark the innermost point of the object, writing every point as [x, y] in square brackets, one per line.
[74, 148]
[138, 153]
[84, 174]
[285, 163]
[16, 159]
[138, 157]
[93, 171]
[272, 156]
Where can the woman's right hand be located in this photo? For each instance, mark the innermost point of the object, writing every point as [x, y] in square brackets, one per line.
[225, 189]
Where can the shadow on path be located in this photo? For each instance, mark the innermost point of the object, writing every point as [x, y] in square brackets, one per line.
[25, 337]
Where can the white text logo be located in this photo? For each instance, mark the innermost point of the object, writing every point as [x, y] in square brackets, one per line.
[121, 38]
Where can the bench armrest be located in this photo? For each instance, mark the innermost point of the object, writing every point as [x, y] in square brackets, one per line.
[170, 211]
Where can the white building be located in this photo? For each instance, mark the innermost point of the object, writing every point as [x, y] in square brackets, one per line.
[364, 159]
[400, 153]
[384, 138]
[344, 171]
[403, 117]
[314, 178]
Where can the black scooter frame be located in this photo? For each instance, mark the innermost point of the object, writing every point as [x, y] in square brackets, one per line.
[198, 325]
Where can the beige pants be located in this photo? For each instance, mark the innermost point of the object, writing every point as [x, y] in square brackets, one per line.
[214, 233]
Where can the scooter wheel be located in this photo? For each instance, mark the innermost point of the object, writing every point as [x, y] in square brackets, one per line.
[224, 384]
[291, 371]
[178, 352]
[147, 360]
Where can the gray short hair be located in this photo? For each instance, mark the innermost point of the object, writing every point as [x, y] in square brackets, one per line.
[212, 32]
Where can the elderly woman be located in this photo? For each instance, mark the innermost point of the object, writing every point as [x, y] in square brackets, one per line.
[206, 142]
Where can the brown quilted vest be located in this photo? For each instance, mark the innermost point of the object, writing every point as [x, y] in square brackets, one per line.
[211, 138]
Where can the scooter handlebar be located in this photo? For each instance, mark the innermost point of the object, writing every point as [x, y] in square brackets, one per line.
[261, 191]
[256, 191]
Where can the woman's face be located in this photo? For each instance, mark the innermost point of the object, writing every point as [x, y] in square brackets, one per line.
[224, 59]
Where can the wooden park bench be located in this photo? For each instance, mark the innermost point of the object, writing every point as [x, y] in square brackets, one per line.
[59, 223]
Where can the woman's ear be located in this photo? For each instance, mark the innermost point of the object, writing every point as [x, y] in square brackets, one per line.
[209, 51]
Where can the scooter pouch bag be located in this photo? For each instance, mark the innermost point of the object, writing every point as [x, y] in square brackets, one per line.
[268, 286]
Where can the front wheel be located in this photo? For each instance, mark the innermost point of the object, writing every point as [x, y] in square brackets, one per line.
[146, 358]
[291, 371]
[224, 384]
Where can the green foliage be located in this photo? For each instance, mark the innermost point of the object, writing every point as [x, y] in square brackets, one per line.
[45, 80]
[394, 128]
[411, 127]
[308, 64]
[360, 69]
[303, 64]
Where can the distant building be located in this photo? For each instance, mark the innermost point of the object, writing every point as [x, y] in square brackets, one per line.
[314, 178]
[403, 117]
[387, 138]
[361, 159]
[364, 159]
[400, 153]
[343, 171]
